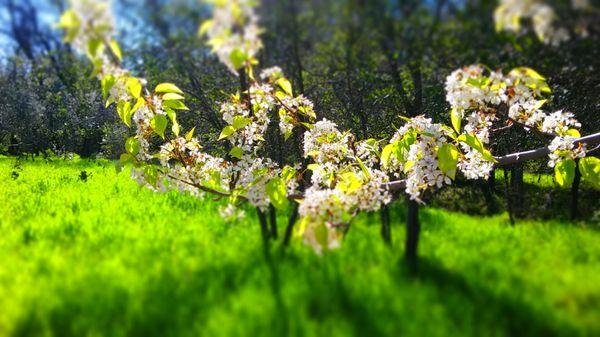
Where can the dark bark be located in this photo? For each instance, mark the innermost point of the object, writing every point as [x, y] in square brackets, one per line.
[273, 222]
[386, 230]
[412, 234]
[262, 219]
[517, 191]
[290, 226]
[299, 83]
[575, 193]
[507, 196]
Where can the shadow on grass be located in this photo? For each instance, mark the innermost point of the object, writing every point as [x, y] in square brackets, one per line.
[510, 315]
[170, 305]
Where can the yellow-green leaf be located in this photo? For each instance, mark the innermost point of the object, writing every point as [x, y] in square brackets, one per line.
[564, 172]
[448, 159]
[132, 146]
[240, 122]
[237, 152]
[190, 134]
[116, 50]
[159, 125]
[134, 86]
[226, 132]
[456, 119]
[171, 96]
[590, 171]
[285, 85]
[238, 58]
[167, 88]
[277, 192]
[476, 144]
[204, 27]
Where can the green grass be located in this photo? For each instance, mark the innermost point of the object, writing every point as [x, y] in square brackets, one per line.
[106, 258]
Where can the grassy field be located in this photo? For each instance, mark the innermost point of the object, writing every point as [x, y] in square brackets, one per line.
[102, 257]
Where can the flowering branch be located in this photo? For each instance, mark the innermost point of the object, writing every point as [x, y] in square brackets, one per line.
[347, 175]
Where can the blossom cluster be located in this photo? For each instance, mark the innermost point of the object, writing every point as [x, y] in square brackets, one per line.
[509, 14]
[562, 148]
[345, 173]
[518, 96]
[233, 32]
[417, 144]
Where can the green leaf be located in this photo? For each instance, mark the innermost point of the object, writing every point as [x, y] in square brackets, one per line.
[238, 58]
[240, 122]
[132, 146]
[321, 235]
[476, 144]
[204, 27]
[125, 159]
[236, 152]
[138, 104]
[574, 133]
[386, 154]
[124, 111]
[529, 72]
[107, 83]
[564, 172]
[227, 131]
[285, 85]
[68, 19]
[190, 134]
[349, 182]
[288, 173]
[95, 47]
[175, 127]
[301, 227]
[177, 105]
[474, 82]
[150, 173]
[277, 192]
[171, 96]
[134, 86]
[448, 159]
[590, 171]
[159, 125]
[408, 165]
[167, 88]
[456, 119]
[312, 167]
[116, 50]
[363, 168]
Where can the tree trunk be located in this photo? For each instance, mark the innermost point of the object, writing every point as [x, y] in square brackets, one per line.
[412, 234]
[575, 193]
[386, 230]
[262, 219]
[517, 191]
[290, 225]
[507, 196]
[273, 221]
